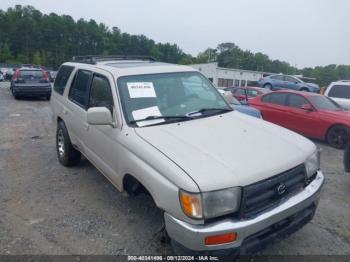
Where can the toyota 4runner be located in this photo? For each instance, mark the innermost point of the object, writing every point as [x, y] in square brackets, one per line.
[227, 183]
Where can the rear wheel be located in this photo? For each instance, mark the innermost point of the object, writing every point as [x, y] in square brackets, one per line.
[268, 86]
[66, 153]
[338, 136]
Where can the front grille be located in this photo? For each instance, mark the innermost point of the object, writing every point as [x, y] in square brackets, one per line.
[268, 193]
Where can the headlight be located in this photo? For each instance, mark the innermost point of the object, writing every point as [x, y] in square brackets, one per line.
[312, 163]
[211, 204]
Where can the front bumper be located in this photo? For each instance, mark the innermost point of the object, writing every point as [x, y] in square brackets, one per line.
[298, 210]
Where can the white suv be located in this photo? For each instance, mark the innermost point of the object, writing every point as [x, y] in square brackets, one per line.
[227, 183]
[340, 92]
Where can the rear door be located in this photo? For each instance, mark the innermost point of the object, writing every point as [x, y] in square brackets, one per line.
[340, 94]
[274, 108]
[76, 112]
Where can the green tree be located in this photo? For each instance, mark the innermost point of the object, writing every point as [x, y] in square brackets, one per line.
[5, 54]
[37, 58]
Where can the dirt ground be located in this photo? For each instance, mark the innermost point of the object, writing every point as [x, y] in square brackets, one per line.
[46, 208]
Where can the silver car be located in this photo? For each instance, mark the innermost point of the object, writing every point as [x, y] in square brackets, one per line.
[165, 129]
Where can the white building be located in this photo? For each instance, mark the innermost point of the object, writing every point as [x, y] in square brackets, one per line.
[225, 77]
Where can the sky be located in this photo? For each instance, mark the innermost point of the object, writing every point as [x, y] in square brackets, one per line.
[305, 33]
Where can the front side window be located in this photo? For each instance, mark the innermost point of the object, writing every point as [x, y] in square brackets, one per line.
[296, 101]
[168, 94]
[101, 94]
[340, 91]
[79, 90]
[291, 79]
[62, 78]
[278, 77]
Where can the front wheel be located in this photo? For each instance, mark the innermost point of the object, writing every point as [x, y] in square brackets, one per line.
[338, 136]
[304, 89]
[66, 153]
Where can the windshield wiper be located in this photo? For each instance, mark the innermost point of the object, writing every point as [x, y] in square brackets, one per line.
[161, 117]
[214, 110]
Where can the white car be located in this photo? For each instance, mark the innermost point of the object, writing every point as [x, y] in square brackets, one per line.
[227, 183]
[340, 92]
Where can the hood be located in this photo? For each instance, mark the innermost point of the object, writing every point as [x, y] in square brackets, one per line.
[228, 150]
[343, 116]
[247, 110]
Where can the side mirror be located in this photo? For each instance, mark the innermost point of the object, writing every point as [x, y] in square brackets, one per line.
[307, 107]
[99, 116]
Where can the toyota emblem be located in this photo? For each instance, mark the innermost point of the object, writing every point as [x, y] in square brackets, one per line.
[281, 189]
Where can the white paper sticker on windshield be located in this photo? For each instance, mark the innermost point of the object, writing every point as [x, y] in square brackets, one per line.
[141, 89]
[146, 112]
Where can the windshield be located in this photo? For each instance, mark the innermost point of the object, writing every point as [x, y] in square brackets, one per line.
[168, 94]
[324, 103]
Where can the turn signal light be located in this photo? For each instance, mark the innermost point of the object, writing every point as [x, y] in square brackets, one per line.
[221, 239]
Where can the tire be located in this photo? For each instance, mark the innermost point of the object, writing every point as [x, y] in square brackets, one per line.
[304, 89]
[338, 136]
[66, 153]
[268, 86]
[48, 98]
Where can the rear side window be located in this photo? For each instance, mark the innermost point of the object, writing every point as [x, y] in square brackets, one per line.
[79, 91]
[101, 94]
[62, 78]
[275, 98]
[340, 91]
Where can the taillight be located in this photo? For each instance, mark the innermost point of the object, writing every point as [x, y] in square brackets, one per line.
[46, 76]
[16, 75]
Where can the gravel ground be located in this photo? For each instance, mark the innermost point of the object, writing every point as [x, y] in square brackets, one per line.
[46, 208]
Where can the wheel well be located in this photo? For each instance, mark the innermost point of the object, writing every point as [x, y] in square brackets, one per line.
[267, 84]
[59, 119]
[134, 187]
[304, 88]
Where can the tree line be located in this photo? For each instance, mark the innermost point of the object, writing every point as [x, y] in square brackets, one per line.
[29, 36]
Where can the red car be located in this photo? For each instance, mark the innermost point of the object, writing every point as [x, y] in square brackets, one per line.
[310, 114]
[250, 92]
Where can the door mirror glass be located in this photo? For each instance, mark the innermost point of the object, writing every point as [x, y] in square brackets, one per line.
[99, 116]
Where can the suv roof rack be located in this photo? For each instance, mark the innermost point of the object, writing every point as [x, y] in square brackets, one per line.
[93, 59]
